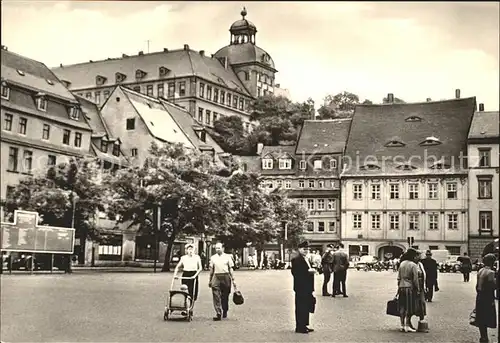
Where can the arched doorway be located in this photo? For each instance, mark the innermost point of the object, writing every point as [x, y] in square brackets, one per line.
[388, 252]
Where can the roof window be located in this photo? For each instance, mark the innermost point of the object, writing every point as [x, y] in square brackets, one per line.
[370, 166]
[406, 167]
[429, 141]
[413, 119]
[50, 82]
[395, 144]
[20, 72]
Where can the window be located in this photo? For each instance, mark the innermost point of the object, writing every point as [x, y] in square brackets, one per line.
[5, 91]
[413, 221]
[321, 226]
[131, 124]
[433, 247]
[7, 124]
[331, 204]
[216, 95]
[241, 104]
[288, 184]
[333, 163]
[310, 204]
[88, 95]
[394, 191]
[485, 221]
[433, 221]
[209, 92]
[484, 157]
[484, 186]
[208, 117]
[395, 144]
[215, 116]
[451, 190]
[104, 146]
[433, 190]
[28, 161]
[375, 221]
[259, 91]
[453, 250]
[98, 97]
[310, 226]
[149, 90]
[74, 113]
[321, 204]
[200, 115]
[332, 227]
[301, 183]
[453, 221]
[106, 95]
[23, 123]
[116, 149]
[356, 221]
[202, 89]
[160, 90]
[267, 163]
[78, 139]
[66, 136]
[394, 221]
[311, 183]
[222, 97]
[133, 152]
[413, 187]
[235, 101]
[51, 160]
[318, 164]
[182, 88]
[357, 191]
[171, 90]
[285, 163]
[302, 165]
[301, 203]
[279, 183]
[13, 158]
[137, 89]
[228, 99]
[375, 192]
[41, 103]
[321, 184]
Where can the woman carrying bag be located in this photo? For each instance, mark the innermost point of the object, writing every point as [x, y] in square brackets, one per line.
[408, 289]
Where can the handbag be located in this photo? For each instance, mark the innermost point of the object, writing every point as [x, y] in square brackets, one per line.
[472, 318]
[392, 308]
[313, 304]
[238, 297]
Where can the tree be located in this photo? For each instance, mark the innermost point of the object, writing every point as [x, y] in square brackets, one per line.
[68, 195]
[229, 133]
[341, 105]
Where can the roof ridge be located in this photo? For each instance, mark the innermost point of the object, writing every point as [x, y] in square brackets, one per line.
[415, 103]
[139, 94]
[139, 113]
[191, 62]
[178, 124]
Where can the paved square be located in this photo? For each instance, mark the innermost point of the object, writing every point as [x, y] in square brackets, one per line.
[128, 307]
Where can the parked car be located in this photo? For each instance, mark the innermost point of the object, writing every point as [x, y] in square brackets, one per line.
[366, 262]
[451, 265]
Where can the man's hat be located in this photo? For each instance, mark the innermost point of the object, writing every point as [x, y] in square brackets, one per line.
[304, 244]
[189, 245]
[330, 246]
[428, 253]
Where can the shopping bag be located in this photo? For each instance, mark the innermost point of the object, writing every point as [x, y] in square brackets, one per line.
[392, 308]
[238, 298]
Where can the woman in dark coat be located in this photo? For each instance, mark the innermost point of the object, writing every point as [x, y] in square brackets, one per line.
[485, 298]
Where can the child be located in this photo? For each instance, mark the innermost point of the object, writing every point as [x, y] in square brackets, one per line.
[185, 290]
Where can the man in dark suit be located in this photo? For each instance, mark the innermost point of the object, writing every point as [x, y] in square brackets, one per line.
[303, 286]
[327, 267]
[431, 273]
[466, 267]
[340, 265]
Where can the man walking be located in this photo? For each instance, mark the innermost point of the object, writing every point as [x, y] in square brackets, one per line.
[466, 266]
[326, 265]
[431, 272]
[303, 286]
[340, 265]
[221, 277]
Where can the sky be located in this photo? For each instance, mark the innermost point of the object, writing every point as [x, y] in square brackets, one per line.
[413, 50]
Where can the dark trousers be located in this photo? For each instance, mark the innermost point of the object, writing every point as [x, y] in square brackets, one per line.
[326, 278]
[221, 288]
[191, 283]
[339, 279]
[466, 276]
[302, 307]
[429, 284]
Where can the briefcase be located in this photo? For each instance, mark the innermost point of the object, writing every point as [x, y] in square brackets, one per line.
[313, 304]
[393, 307]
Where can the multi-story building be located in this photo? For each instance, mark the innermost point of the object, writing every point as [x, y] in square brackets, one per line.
[483, 152]
[42, 122]
[405, 176]
[207, 87]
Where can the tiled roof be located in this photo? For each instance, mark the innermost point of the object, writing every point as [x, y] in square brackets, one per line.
[94, 118]
[35, 75]
[323, 136]
[244, 53]
[181, 63]
[374, 126]
[278, 150]
[109, 157]
[485, 125]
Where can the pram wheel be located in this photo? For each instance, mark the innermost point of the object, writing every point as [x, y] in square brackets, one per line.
[165, 315]
[189, 317]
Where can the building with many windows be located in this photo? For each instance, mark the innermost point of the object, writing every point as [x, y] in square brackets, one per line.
[405, 176]
[206, 86]
[483, 151]
[42, 122]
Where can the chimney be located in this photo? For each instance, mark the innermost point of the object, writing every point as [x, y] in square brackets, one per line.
[260, 146]
[202, 52]
[141, 53]
[428, 99]
[60, 65]
[481, 107]
[186, 47]
[457, 93]
[165, 49]
[390, 98]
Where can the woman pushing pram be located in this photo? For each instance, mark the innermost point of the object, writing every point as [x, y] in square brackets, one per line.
[191, 267]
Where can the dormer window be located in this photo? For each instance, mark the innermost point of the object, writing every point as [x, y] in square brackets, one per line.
[333, 163]
[20, 72]
[285, 163]
[370, 166]
[265, 58]
[5, 91]
[441, 165]
[318, 164]
[116, 149]
[163, 71]
[413, 119]
[104, 146]
[41, 102]
[395, 144]
[74, 113]
[120, 77]
[430, 141]
[406, 167]
[139, 74]
[267, 163]
[50, 82]
[302, 165]
[201, 133]
[100, 80]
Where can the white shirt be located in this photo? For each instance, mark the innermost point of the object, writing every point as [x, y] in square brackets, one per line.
[221, 263]
[191, 263]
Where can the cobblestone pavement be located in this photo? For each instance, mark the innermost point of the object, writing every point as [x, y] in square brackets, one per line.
[128, 307]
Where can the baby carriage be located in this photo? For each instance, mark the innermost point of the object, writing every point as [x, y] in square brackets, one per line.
[179, 302]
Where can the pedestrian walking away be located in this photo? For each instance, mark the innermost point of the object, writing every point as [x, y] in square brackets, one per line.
[466, 266]
[327, 267]
[191, 266]
[421, 307]
[340, 265]
[220, 280]
[408, 289]
[303, 286]
[486, 316]
[431, 272]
